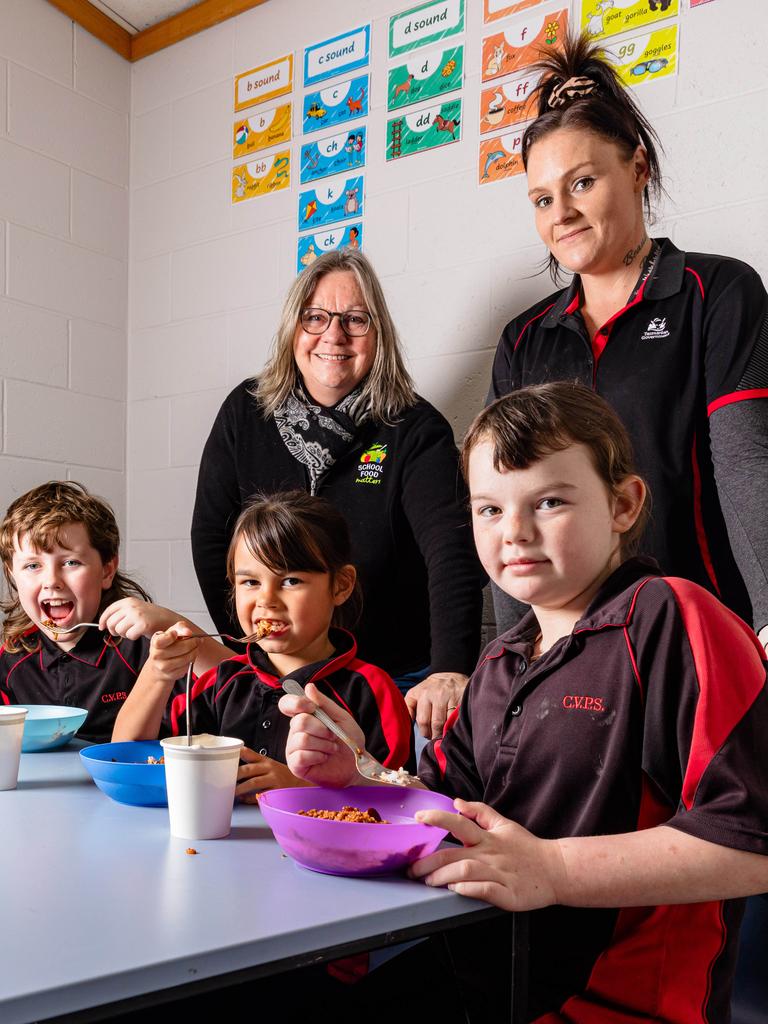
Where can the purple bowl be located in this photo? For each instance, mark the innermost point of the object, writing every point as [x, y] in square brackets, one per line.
[348, 847]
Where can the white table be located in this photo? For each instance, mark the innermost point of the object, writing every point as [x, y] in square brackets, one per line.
[98, 904]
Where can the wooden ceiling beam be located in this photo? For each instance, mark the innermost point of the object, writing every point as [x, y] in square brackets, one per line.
[165, 33]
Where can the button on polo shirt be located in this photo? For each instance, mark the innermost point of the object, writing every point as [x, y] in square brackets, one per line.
[97, 674]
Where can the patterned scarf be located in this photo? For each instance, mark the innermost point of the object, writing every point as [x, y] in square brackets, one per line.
[316, 436]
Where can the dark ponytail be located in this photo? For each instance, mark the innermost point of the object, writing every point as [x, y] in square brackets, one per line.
[579, 89]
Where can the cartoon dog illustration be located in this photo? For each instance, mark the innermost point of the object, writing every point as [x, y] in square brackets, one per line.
[404, 87]
[595, 25]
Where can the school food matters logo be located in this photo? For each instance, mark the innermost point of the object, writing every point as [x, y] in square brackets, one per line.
[657, 328]
[370, 466]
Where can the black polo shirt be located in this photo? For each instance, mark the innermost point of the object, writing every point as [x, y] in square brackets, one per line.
[653, 710]
[97, 674]
[239, 698]
[681, 349]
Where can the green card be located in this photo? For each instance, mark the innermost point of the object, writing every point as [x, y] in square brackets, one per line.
[427, 74]
[427, 23]
[424, 129]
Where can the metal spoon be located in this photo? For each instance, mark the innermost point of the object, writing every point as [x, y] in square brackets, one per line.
[367, 765]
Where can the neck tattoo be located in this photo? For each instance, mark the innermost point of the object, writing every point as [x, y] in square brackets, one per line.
[632, 255]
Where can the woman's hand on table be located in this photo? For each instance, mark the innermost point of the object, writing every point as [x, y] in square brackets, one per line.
[313, 753]
[262, 773]
[431, 701]
[500, 862]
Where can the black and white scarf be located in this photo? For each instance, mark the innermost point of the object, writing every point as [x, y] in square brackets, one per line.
[317, 436]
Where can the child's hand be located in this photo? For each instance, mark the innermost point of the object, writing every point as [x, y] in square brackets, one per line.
[313, 752]
[500, 863]
[133, 618]
[261, 773]
[172, 651]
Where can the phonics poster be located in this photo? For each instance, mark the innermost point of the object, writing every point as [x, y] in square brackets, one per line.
[348, 236]
[260, 177]
[349, 51]
[521, 42]
[333, 154]
[263, 129]
[494, 10]
[647, 57]
[419, 130]
[427, 23]
[334, 200]
[335, 105]
[601, 18]
[504, 104]
[500, 157]
[265, 82]
[425, 75]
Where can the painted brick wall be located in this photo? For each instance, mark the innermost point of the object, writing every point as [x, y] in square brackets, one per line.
[64, 162]
[207, 278]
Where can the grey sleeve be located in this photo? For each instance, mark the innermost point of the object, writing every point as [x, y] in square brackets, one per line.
[507, 611]
[739, 438]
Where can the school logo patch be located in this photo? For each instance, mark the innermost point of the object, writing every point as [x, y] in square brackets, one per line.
[370, 467]
[657, 328]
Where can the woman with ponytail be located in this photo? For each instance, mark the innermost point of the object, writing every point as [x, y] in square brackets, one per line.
[677, 342]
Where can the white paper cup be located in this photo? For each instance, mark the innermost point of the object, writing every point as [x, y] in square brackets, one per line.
[200, 780]
[11, 731]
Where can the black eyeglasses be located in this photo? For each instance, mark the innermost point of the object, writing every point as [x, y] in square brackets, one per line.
[355, 322]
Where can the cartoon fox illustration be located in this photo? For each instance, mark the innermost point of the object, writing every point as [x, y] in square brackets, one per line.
[494, 64]
[356, 106]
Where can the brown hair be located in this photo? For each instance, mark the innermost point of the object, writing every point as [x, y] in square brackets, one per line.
[296, 531]
[536, 421]
[608, 110]
[388, 387]
[41, 515]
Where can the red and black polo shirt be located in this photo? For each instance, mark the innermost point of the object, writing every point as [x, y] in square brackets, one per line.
[97, 674]
[239, 698]
[652, 711]
[692, 339]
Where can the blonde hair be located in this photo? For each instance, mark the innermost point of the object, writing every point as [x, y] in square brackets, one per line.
[388, 388]
[41, 515]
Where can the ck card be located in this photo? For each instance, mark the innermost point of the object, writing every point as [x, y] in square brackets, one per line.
[494, 10]
[336, 200]
[646, 57]
[424, 129]
[427, 23]
[609, 17]
[266, 128]
[260, 177]
[335, 154]
[500, 157]
[265, 82]
[425, 75]
[522, 41]
[507, 103]
[335, 104]
[332, 57]
[342, 237]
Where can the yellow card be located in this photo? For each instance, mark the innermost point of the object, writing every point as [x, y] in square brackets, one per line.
[647, 57]
[266, 128]
[601, 18]
[266, 82]
[260, 177]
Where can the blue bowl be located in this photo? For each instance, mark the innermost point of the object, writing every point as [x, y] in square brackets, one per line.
[49, 726]
[121, 771]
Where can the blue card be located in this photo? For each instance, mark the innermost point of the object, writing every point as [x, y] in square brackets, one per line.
[335, 154]
[330, 202]
[312, 246]
[336, 104]
[347, 52]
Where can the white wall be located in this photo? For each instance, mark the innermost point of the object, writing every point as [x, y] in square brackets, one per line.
[64, 161]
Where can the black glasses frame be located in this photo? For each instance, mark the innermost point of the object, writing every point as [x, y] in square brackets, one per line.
[343, 320]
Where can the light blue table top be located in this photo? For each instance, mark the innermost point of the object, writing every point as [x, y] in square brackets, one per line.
[98, 903]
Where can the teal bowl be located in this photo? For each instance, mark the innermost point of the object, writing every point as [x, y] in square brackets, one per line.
[50, 726]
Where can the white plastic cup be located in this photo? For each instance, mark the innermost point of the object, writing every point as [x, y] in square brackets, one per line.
[11, 731]
[200, 780]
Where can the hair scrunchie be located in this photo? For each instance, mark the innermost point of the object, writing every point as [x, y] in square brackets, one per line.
[574, 89]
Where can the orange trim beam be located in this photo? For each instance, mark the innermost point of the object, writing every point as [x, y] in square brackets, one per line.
[165, 33]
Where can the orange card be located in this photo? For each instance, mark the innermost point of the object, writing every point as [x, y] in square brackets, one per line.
[500, 157]
[507, 103]
[522, 43]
